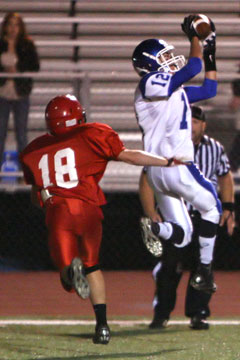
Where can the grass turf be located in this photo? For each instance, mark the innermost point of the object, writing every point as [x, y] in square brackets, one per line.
[177, 342]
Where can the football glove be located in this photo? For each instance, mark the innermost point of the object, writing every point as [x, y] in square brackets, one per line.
[209, 50]
[187, 27]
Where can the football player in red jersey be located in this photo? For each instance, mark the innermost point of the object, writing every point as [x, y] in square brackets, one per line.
[64, 167]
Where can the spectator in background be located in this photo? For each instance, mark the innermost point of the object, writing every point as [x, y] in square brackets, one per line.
[234, 155]
[17, 54]
[235, 101]
[212, 160]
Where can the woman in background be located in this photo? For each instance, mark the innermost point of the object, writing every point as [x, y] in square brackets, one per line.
[17, 54]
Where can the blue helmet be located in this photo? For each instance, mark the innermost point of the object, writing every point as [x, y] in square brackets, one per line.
[156, 55]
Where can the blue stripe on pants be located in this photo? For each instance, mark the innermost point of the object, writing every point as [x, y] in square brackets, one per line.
[198, 176]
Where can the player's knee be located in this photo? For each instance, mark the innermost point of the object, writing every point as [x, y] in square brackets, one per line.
[180, 237]
[212, 215]
[207, 229]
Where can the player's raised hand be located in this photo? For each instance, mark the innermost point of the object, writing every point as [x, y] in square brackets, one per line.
[209, 44]
[187, 27]
[209, 50]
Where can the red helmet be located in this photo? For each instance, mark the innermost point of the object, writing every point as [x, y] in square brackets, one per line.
[63, 114]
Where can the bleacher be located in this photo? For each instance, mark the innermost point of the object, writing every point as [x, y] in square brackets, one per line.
[85, 49]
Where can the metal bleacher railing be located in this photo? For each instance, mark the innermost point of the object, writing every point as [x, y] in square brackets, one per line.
[107, 94]
[118, 177]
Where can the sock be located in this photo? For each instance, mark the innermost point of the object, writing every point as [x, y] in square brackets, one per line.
[206, 249]
[166, 230]
[100, 313]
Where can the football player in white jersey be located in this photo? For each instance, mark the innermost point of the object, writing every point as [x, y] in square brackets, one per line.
[162, 106]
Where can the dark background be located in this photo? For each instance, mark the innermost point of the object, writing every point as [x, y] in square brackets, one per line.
[23, 236]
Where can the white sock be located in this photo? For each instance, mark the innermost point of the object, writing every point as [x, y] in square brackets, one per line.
[206, 249]
[166, 230]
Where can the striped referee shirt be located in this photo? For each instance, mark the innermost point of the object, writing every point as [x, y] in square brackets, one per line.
[211, 159]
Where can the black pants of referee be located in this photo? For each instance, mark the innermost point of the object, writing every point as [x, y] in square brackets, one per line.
[170, 273]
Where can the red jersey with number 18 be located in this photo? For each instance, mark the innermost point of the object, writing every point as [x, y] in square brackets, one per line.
[71, 165]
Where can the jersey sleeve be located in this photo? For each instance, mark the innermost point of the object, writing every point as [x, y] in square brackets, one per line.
[198, 93]
[191, 69]
[27, 174]
[106, 143]
[155, 85]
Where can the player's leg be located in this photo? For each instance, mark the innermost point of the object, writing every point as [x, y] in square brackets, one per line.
[193, 187]
[74, 245]
[207, 203]
[5, 108]
[197, 306]
[63, 246]
[197, 301]
[89, 248]
[167, 274]
[21, 110]
[173, 211]
[176, 227]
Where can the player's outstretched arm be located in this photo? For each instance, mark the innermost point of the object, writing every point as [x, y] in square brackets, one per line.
[143, 158]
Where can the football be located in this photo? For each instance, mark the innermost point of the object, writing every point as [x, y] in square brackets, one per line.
[202, 26]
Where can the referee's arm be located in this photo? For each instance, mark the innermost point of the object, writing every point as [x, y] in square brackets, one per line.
[226, 190]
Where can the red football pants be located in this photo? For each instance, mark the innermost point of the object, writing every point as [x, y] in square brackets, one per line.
[74, 230]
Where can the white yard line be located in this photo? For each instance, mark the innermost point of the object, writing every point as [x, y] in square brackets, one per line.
[113, 322]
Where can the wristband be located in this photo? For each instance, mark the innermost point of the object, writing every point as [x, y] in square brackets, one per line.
[228, 206]
[210, 62]
[170, 161]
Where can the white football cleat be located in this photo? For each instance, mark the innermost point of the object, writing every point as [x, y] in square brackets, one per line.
[79, 280]
[152, 242]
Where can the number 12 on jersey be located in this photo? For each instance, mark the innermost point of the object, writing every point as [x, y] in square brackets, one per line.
[183, 123]
[65, 174]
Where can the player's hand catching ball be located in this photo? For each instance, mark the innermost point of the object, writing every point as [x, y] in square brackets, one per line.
[187, 27]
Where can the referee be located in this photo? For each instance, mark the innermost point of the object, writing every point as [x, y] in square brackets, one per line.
[213, 162]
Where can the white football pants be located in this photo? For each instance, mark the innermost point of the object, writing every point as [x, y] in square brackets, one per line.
[175, 184]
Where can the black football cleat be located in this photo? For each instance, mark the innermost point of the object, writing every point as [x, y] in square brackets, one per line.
[102, 335]
[158, 324]
[66, 281]
[203, 280]
[197, 323]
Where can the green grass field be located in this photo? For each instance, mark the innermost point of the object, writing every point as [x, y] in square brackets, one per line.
[177, 342]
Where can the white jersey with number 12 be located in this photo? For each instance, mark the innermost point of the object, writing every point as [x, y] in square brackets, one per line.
[165, 120]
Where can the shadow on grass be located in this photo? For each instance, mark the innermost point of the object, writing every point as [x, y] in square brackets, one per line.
[130, 332]
[112, 356]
